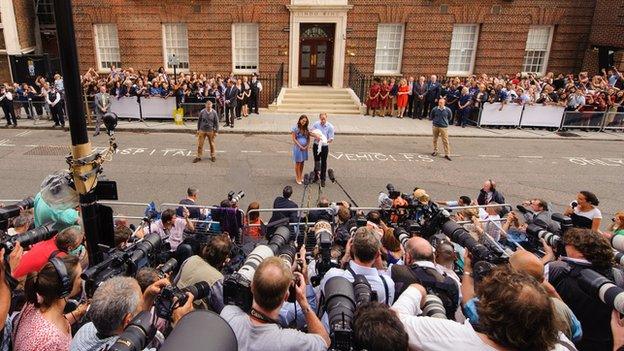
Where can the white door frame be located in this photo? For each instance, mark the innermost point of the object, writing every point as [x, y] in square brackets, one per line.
[318, 13]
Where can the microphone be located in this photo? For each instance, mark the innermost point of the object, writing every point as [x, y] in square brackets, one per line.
[311, 177]
[330, 174]
[306, 179]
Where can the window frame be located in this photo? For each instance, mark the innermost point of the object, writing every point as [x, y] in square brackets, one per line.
[96, 42]
[166, 52]
[245, 70]
[544, 66]
[380, 72]
[473, 58]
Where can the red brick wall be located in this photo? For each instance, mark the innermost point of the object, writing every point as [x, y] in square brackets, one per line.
[25, 19]
[5, 70]
[427, 41]
[608, 24]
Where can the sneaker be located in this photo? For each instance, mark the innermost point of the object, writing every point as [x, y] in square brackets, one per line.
[435, 153]
[196, 159]
[323, 183]
[448, 157]
[213, 159]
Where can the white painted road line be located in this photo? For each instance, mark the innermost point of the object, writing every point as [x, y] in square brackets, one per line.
[492, 156]
[24, 133]
[531, 156]
[5, 142]
[251, 151]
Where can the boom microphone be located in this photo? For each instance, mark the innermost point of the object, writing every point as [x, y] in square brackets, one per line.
[330, 174]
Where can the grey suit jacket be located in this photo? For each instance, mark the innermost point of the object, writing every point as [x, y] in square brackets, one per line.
[99, 101]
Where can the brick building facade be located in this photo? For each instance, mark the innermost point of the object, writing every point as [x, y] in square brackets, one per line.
[17, 33]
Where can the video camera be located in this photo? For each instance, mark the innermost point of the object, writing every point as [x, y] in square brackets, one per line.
[237, 287]
[324, 239]
[122, 262]
[342, 298]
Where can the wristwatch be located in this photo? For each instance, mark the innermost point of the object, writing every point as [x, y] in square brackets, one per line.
[468, 273]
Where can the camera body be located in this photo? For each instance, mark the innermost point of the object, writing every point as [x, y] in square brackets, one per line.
[172, 297]
[14, 210]
[554, 240]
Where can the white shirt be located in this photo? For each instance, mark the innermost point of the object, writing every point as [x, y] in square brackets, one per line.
[591, 214]
[373, 276]
[433, 334]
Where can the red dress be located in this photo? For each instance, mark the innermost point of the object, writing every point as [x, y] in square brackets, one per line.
[373, 97]
[402, 98]
[383, 96]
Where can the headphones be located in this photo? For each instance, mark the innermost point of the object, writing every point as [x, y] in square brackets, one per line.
[61, 270]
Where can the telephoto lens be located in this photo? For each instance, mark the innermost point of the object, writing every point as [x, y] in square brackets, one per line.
[402, 235]
[279, 239]
[168, 267]
[287, 253]
[137, 334]
[14, 210]
[619, 258]
[323, 233]
[362, 291]
[237, 287]
[340, 306]
[172, 297]
[553, 240]
[30, 237]
[617, 241]
[259, 254]
[434, 307]
[150, 243]
[596, 284]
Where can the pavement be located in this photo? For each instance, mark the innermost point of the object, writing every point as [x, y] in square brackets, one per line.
[158, 167]
[274, 123]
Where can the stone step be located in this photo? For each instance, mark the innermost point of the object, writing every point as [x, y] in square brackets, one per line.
[304, 104]
[316, 111]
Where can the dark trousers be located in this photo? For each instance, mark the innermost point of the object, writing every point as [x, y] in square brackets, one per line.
[320, 161]
[9, 114]
[419, 107]
[410, 106]
[238, 109]
[429, 105]
[57, 114]
[230, 114]
[253, 103]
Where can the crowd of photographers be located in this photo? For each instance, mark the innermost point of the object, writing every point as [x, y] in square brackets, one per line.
[415, 274]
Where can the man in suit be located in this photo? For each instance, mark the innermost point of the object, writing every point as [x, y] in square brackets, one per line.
[410, 97]
[102, 105]
[433, 94]
[540, 215]
[231, 92]
[419, 92]
[283, 202]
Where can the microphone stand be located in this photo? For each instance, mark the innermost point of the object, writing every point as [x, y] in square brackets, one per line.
[333, 180]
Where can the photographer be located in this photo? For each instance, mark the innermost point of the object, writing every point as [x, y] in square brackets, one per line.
[524, 262]
[115, 303]
[206, 267]
[260, 330]
[585, 249]
[21, 224]
[5, 289]
[540, 215]
[515, 313]
[291, 313]
[191, 199]
[376, 327]
[420, 267]
[42, 324]
[69, 241]
[489, 194]
[366, 261]
[169, 227]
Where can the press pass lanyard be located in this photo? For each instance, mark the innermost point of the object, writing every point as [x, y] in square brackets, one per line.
[263, 317]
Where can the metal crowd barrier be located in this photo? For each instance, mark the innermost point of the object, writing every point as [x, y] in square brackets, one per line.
[173, 205]
[614, 121]
[583, 120]
[128, 205]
